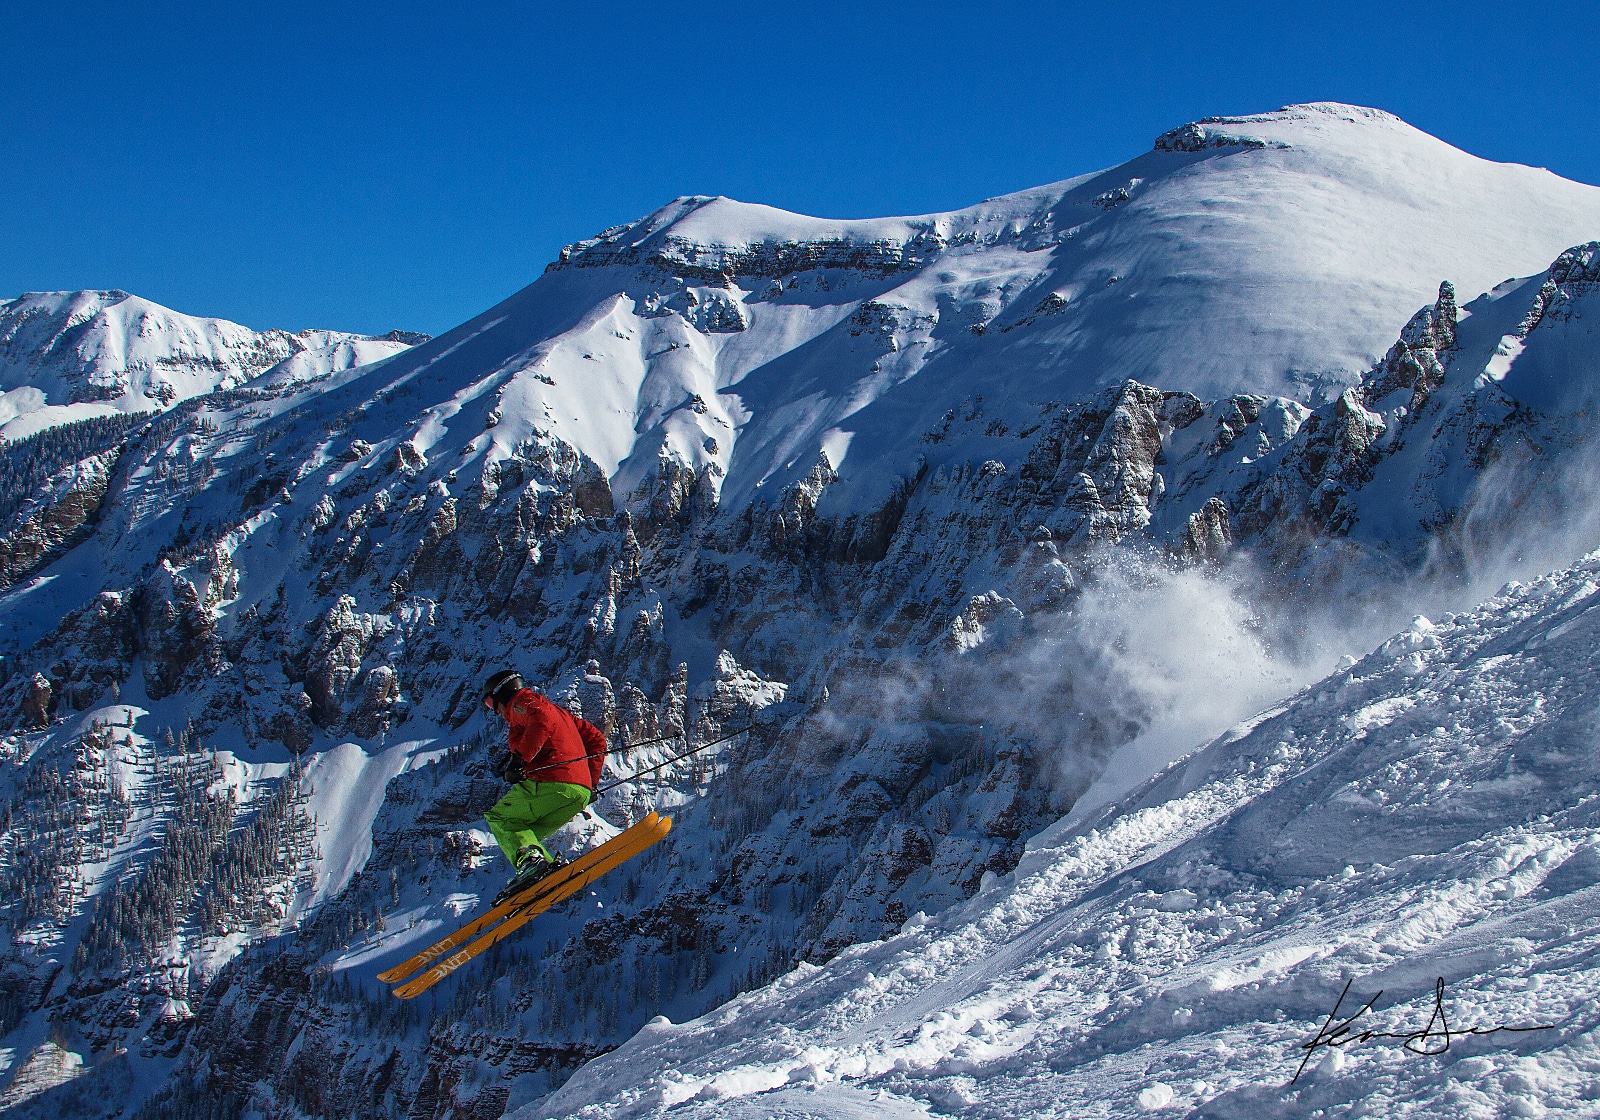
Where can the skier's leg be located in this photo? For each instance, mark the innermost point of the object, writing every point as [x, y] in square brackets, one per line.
[556, 803]
[509, 820]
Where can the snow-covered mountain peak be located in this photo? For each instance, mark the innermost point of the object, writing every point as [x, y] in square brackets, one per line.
[68, 356]
[716, 232]
[1278, 129]
[1276, 254]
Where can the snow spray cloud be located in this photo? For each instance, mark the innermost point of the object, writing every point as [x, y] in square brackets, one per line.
[1204, 650]
[1185, 648]
[1149, 660]
[1530, 512]
[1527, 516]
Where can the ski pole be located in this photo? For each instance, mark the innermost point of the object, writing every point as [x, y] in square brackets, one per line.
[678, 758]
[659, 738]
[630, 746]
[627, 747]
[607, 751]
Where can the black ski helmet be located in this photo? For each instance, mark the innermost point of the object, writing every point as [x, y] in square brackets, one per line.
[500, 688]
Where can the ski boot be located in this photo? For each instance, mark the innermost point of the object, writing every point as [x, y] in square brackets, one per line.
[532, 865]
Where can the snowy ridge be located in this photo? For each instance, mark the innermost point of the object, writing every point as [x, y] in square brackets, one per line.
[1414, 816]
[68, 356]
[1278, 255]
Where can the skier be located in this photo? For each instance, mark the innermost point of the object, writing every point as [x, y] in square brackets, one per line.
[555, 760]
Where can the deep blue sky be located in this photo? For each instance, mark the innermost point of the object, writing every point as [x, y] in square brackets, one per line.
[374, 166]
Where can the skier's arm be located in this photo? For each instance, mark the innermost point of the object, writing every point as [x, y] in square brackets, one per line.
[595, 746]
[529, 735]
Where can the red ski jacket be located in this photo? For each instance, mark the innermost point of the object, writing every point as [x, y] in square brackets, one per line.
[552, 742]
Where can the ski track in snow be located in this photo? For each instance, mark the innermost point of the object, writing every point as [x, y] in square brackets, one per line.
[1430, 812]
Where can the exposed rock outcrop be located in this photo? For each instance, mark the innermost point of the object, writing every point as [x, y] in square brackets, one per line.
[58, 518]
[36, 701]
[1413, 364]
[1573, 274]
[335, 660]
[1208, 535]
[174, 630]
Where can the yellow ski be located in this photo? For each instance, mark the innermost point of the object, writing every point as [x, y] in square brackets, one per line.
[568, 881]
[534, 893]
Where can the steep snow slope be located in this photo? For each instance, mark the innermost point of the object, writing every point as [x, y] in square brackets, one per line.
[1428, 813]
[67, 356]
[1276, 254]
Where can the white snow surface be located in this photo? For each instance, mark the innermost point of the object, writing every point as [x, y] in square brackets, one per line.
[1280, 257]
[330, 353]
[348, 784]
[1429, 813]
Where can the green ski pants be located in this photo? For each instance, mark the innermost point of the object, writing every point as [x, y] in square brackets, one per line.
[530, 811]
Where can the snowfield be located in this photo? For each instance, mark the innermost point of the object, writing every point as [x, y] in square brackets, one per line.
[1430, 812]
